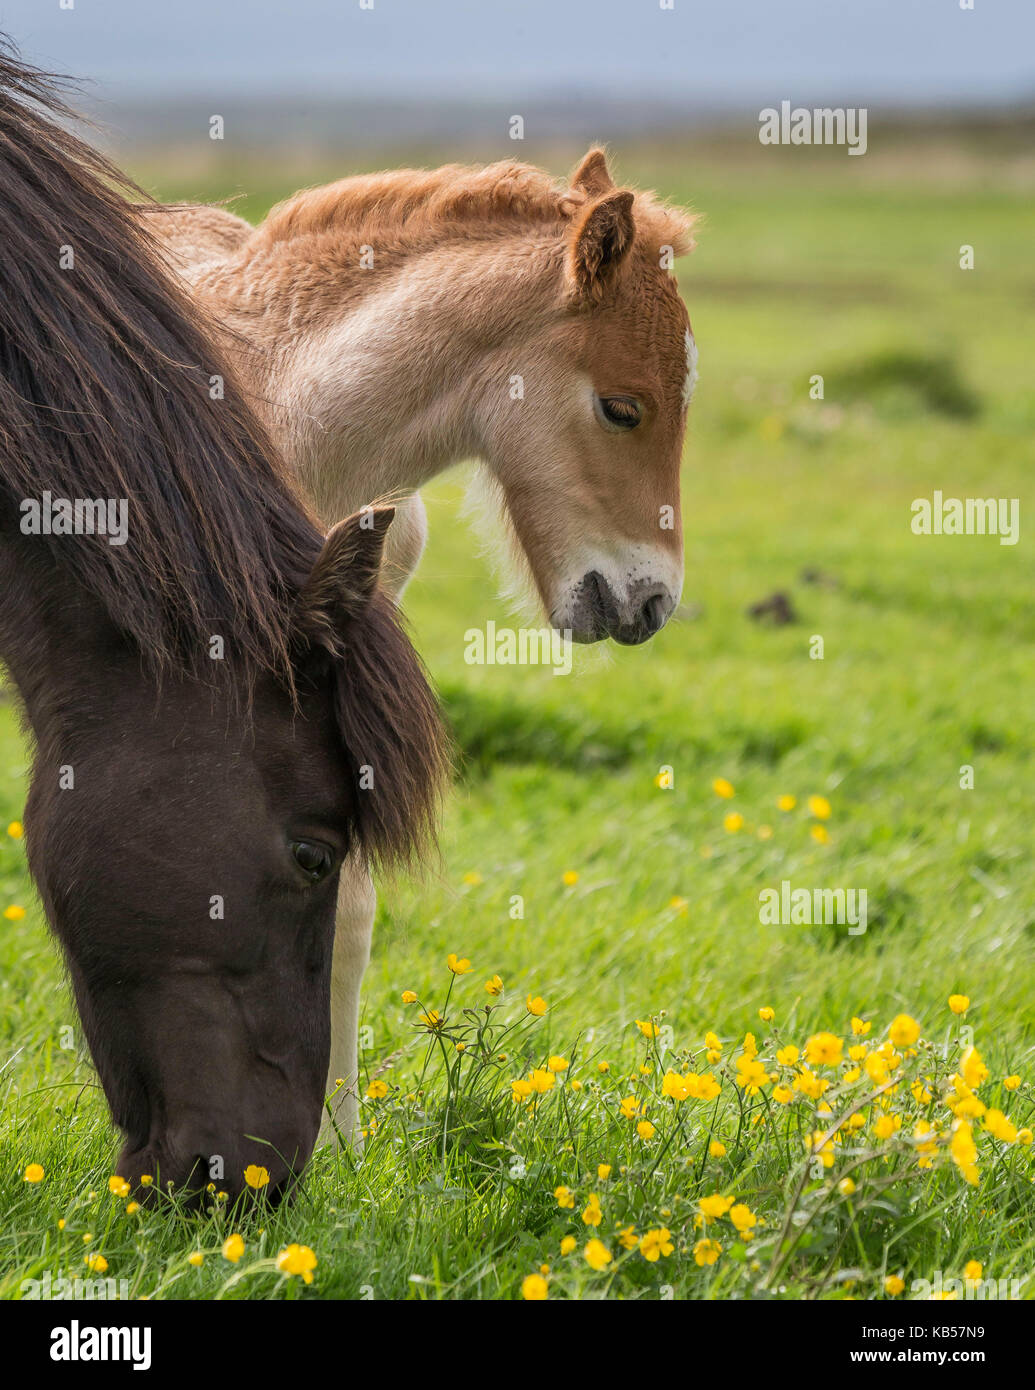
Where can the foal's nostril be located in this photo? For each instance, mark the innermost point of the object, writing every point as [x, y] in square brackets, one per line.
[653, 614]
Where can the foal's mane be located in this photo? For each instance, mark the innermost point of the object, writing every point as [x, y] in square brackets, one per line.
[408, 207]
[105, 372]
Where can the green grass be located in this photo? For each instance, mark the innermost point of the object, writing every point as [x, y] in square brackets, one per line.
[927, 667]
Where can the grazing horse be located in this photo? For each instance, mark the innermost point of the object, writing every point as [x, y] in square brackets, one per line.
[222, 704]
[391, 325]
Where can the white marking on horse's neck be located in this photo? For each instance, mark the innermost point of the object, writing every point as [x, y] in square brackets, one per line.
[691, 368]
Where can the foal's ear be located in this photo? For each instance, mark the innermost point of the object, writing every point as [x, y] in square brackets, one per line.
[601, 238]
[344, 577]
[593, 176]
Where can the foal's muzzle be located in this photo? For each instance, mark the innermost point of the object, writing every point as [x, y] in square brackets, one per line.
[598, 612]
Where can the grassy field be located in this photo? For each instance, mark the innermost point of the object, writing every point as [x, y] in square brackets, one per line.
[640, 901]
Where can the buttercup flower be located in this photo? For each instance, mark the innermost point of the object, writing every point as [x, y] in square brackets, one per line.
[786, 802]
[377, 1090]
[14, 913]
[732, 821]
[904, 1030]
[570, 878]
[297, 1260]
[196, 1258]
[743, 1218]
[534, 1288]
[593, 1216]
[766, 1014]
[959, 1003]
[409, 996]
[716, 1149]
[894, 1285]
[97, 1264]
[645, 1129]
[541, 1080]
[1010, 1083]
[565, 1197]
[654, 1244]
[494, 986]
[536, 1007]
[118, 1186]
[712, 1208]
[603, 1171]
[557, 1064]
[722, 788]
[459, 965]
[15, 830]
[597, 1254]
[824, 1050]
[819, 807]
[233, 1248]
[33, 1173]
[568, 1244]
[706, 1251]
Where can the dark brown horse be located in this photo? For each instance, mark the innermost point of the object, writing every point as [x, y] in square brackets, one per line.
[222, 703]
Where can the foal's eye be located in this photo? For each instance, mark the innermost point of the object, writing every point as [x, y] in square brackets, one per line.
[314, 860]
[618, 412]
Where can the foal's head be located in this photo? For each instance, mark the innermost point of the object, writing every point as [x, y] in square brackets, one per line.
[590, 465]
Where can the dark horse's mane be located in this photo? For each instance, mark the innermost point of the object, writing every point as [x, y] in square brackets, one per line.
[105, 371]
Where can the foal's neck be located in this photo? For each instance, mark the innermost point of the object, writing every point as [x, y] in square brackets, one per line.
[375, 380]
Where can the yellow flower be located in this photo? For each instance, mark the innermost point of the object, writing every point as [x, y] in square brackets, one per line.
[706, 1251]
[1010, 1083]
[472, 877]
[674, 1086]
[131, 1207]
[627, 1238]
[894, 1285]
[809, 1084]
[597, 1254]
[118, 1186]
[557, 1063]
[1000, 1127]
[716, 1149]
[679, 905]
[743, 1218]
[409, 996]
[146, 1179]
[196, 1258]
[33, 1173]
[459, 965]
[972, 1270]
[859, 1028]
[520, 1089]
[783, 1095]
[972, 1068]
[656, 1243]
[536, 1007]
[732, 821]
[593, 1216]
[712, 1208]
[565, 1197]
[14, 913]
[767, 1015]
[603, 1066]
[97, 1264]
[568, 1244]
[15, 830]
[786, 802]
[1024, 1136]
[569, 878]
[377, 1090]
[576, 1084]
[541, 1080]
[964, 1152]
[712, 1042]
[787, 1056]
[846, 1187]
[722, 788]
[904, 1030]
[432, 1019]
[886, 1125]
[819, 807]
[819, 834]
[534, 1288]
[648, 1027]
[297, 1259]
[233, 1248]
[603, 1171]
[645, 1129]
[959, 1003]
[751, 1075]
[494, 986]
[824, 1050]
[630, 1108]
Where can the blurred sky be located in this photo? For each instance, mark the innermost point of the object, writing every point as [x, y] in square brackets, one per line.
[719, 52]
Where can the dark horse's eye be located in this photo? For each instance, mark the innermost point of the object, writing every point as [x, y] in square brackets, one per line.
[313, 860]
[618, 412]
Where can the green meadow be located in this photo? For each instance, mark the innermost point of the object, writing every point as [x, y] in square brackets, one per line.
[580, 870]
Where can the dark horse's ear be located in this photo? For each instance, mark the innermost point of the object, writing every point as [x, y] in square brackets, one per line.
[601, 237]
[344, 577]
[387, 715]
